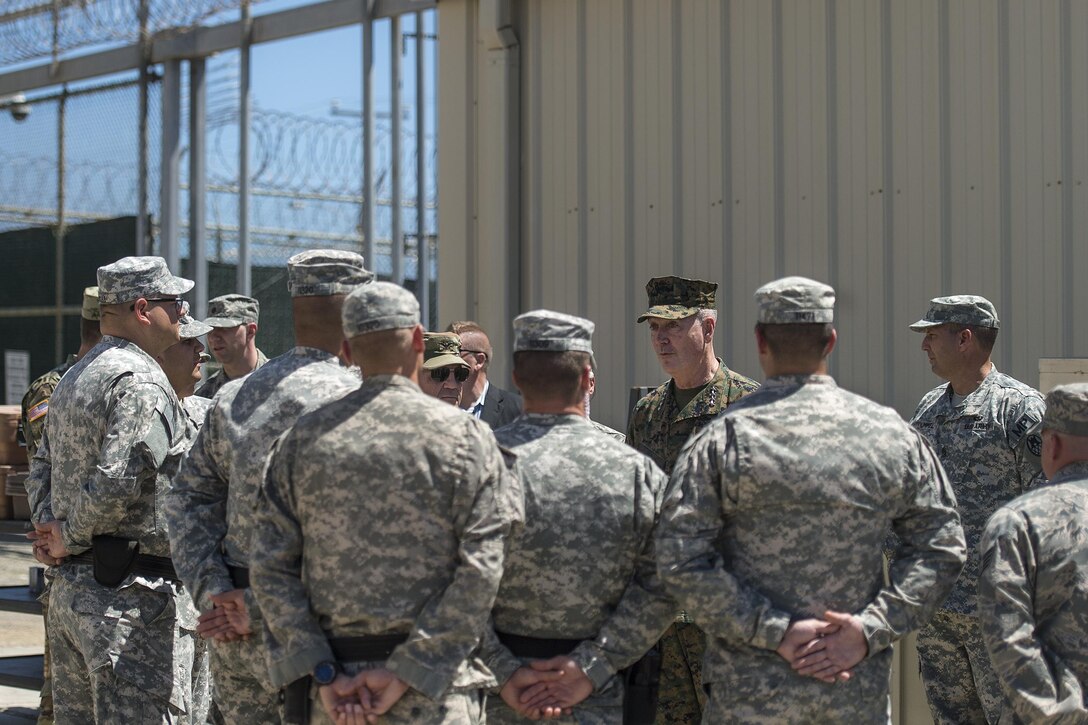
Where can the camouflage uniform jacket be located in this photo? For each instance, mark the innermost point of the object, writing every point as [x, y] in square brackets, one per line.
[384, 512]
[610, 432]
[659, 430]
[116, 437]
[591, 505]
[36, 405]
[1033, 598]
[211, 507]
[779, 509]
[990, 448]
[197, 409]
[215, 382]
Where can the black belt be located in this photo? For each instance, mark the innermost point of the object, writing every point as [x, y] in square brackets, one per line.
[144, 565]
[535, 647]
[239, 575]
[365, 649]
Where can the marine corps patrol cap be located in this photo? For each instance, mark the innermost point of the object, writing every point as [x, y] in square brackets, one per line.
[548, 331]
[232, 310]
[795, 301]
[958, 310]
[1067, 409]
[188, 328]
[131, 278]
[324, 272]
[442, 349]
[379, 306]
[674, 298]
[90, 309]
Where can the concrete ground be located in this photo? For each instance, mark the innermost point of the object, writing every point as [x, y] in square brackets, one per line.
[20, 634]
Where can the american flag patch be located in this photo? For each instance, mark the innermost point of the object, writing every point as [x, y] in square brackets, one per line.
[38, 411]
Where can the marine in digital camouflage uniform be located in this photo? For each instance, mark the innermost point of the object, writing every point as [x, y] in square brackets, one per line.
[682, 323]
[211, 507]
[774, 520]
[124, 653]
[34, 411]
[385, 513]
[1033, 584]
[233, 319]
[591, 504]
[984, 426]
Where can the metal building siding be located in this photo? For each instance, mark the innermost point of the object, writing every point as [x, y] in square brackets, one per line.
[897, 149]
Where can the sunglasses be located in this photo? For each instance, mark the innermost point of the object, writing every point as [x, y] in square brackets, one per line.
[442, 374]
[180, 305]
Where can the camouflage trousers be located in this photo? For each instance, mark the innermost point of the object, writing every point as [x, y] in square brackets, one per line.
[600, 708]
[413, 708]
[240, 681]
[960, 682]
[680, 694]
[45, 709]
[120, 654]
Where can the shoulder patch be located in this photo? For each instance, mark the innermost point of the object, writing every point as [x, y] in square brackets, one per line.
[38, 411]
[1035, 444]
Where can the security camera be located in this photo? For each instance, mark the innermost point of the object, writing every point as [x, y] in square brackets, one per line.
[19, 108]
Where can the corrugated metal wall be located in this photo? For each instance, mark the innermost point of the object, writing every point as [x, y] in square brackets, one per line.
[897, 149]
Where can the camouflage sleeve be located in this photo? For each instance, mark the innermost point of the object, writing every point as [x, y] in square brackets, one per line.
[39, 484]
[1025, 438]
[930, 552]
[499, 659]
[1039, 685]
[136, 441]
[196, 514]
[645, 611]
[35, 411]
[687, 558]
[297, 642]
[450, 625]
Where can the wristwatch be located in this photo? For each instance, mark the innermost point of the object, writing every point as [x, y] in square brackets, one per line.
[325, 672]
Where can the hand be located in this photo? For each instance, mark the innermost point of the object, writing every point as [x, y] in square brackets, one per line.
[376, 691]
[840, 650]
[228, 620]
[341, 703]
[215, 624]
[40, 548]
[558, 697]
[53, 541]
[520, 681]
[807, 637]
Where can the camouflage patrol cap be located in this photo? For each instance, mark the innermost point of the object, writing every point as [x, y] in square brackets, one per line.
[90, 309]
[674, 298]
[324, 272]
[232, 310]
[131, 278]
[188, 328]
[442, 349]
[958, 310]
[379, 306]
[1067, 409]
[547, 331]
[795, 301]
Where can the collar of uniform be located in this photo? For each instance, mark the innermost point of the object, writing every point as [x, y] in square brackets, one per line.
[385, 381]
[709, 401]
[313, 353]
[972, 400]
[113, 341]
[555, 419]
[796, 381]
[1075, 471]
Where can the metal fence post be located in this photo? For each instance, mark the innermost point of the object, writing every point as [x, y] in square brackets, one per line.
[197, 114]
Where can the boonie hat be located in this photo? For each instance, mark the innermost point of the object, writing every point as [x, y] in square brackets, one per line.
[674, 298]
[379, 306]
[442, 349]
[958, 310]
[131, 278]
[795, 301]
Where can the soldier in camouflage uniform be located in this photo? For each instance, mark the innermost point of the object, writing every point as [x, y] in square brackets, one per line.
[123, 649]
[444, 371]
[383, 519]
[211, 508]
[682, 322]
[591, 504]
[1033, 584]
[772, 528]
[233, 339]
[984, 426]
[181, 363]
[34, 412]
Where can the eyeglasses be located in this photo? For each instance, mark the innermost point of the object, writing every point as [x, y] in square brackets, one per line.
[180, 305]
[440, 375]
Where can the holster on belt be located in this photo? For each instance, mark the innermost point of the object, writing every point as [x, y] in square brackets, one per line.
[114, 558]
[640, 683]
[296, 701]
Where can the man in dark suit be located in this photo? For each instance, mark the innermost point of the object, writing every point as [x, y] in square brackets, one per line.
[486, 401]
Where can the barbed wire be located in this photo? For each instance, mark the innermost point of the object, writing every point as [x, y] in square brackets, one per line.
[39, 28]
